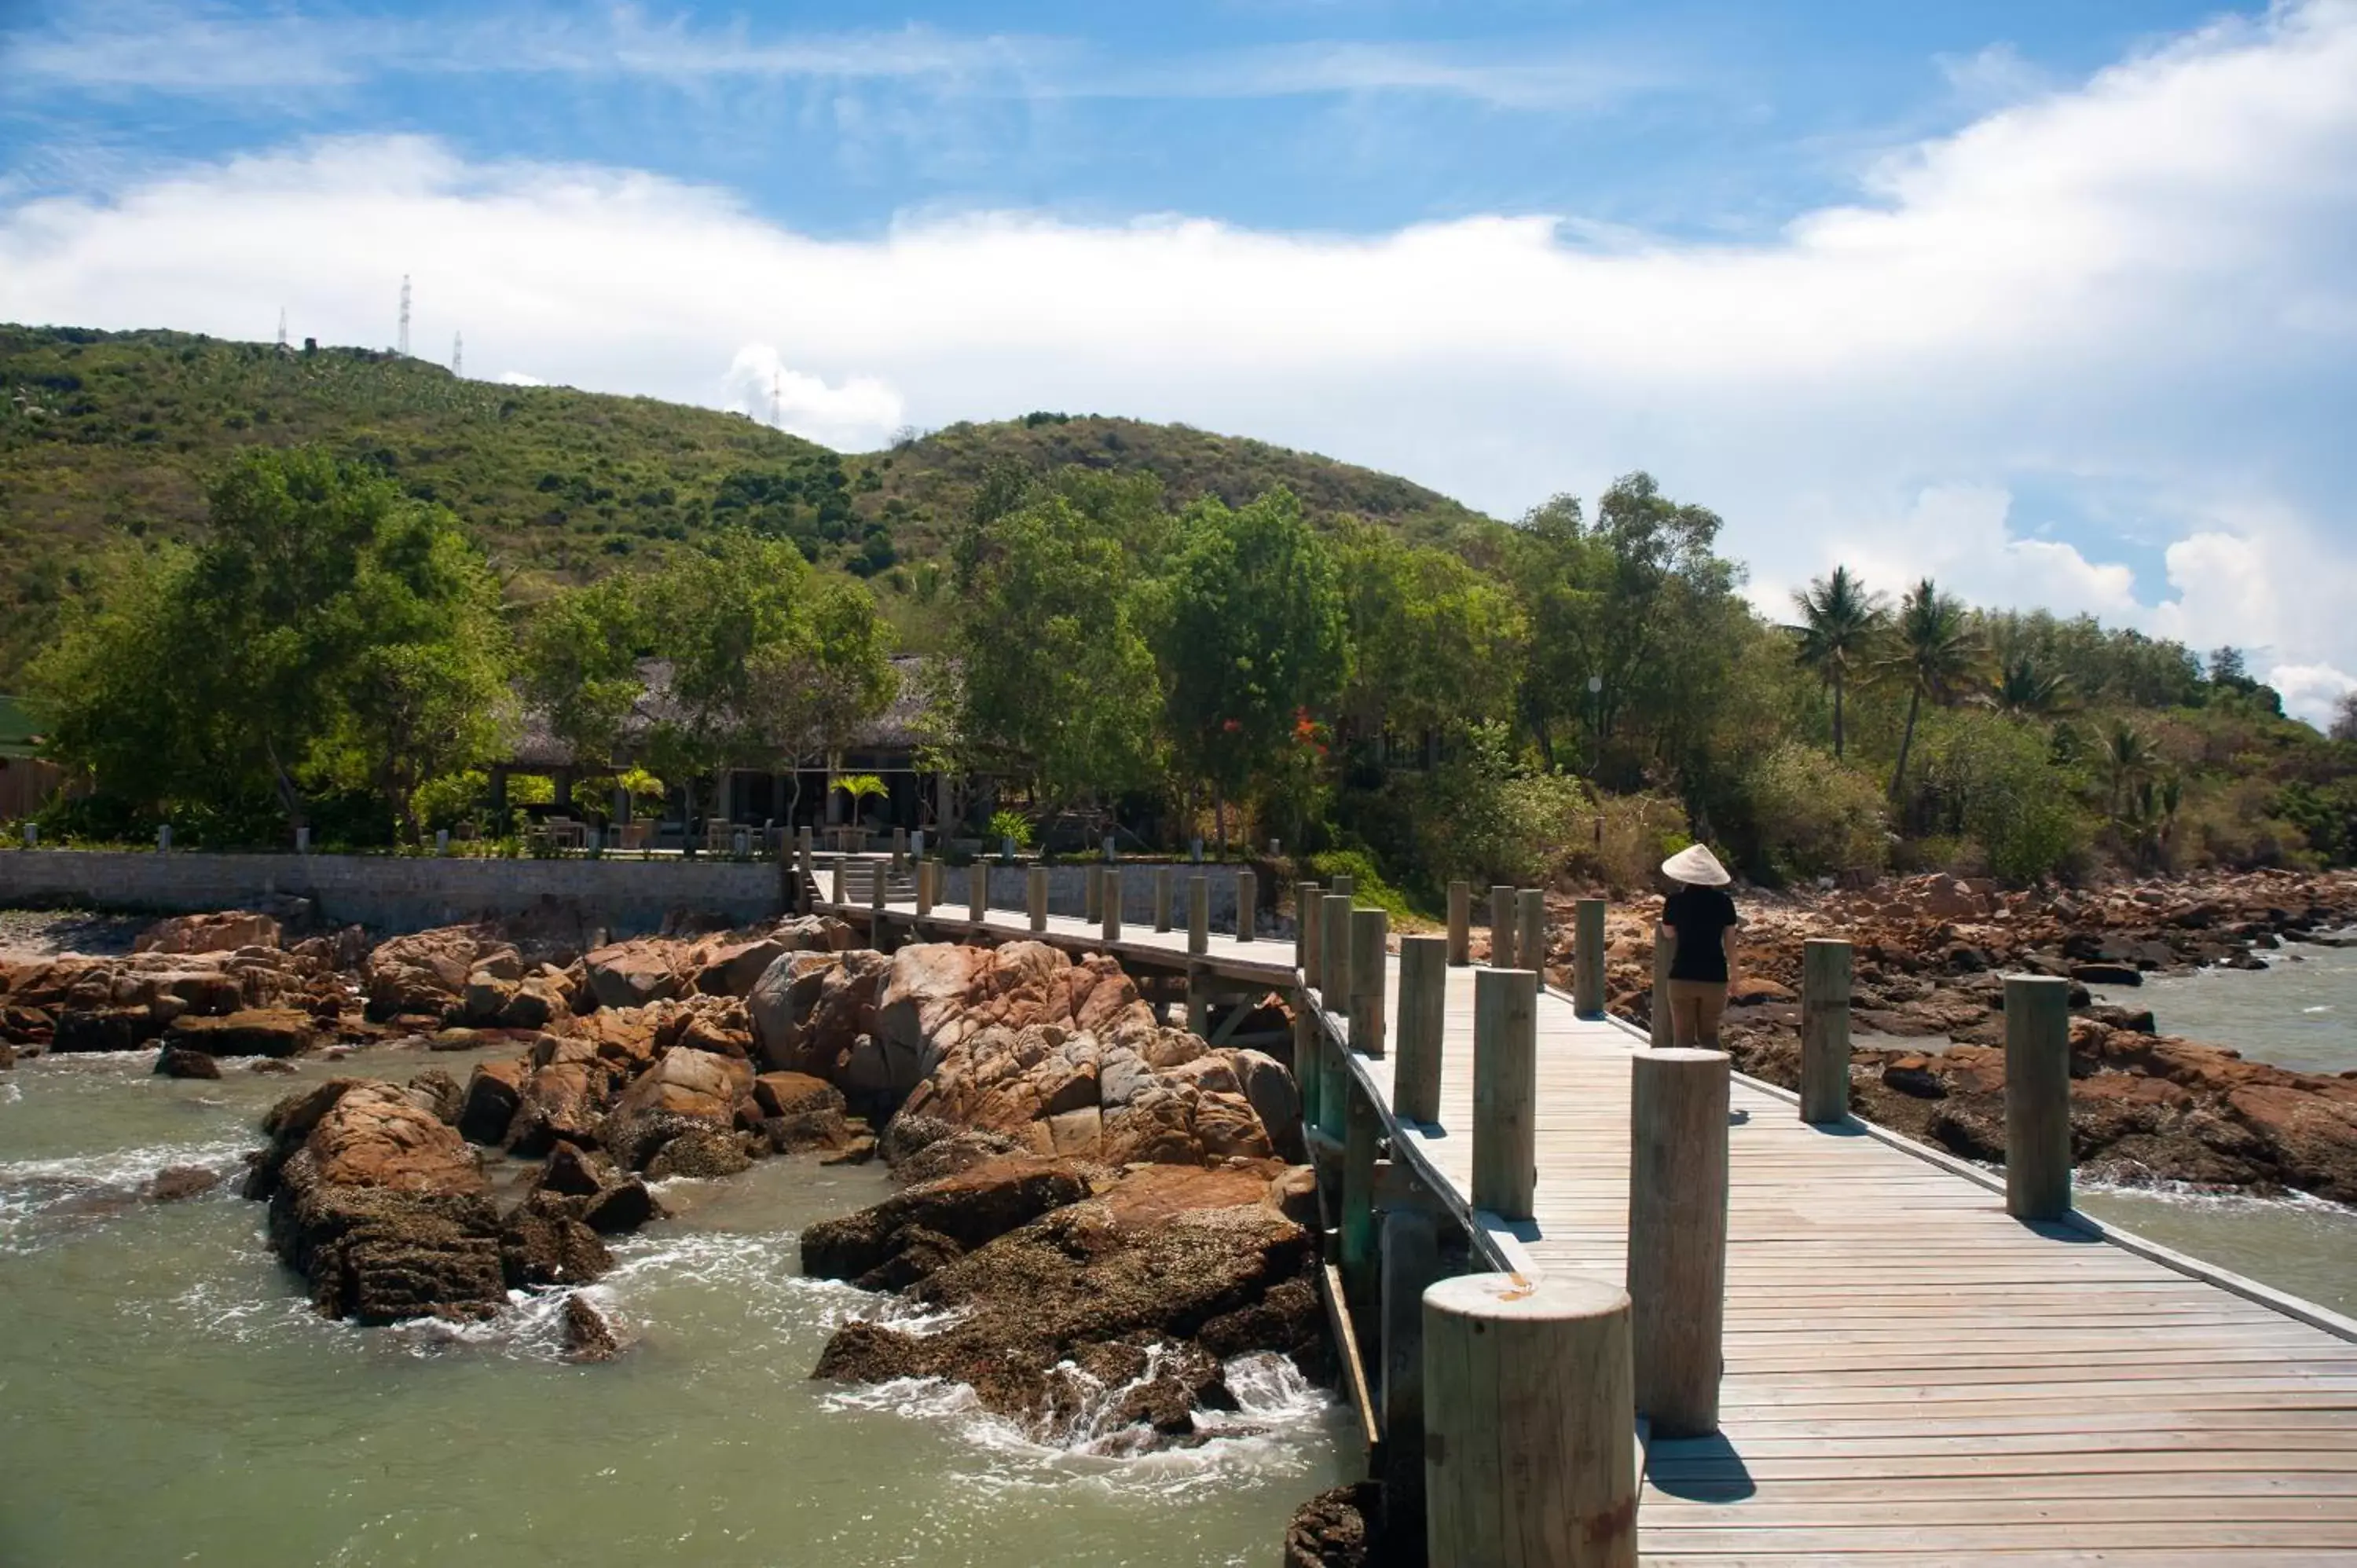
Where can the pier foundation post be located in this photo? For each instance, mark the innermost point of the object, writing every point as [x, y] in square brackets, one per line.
[1161, 897]
[838, 899]
[1361, 1132]
[1199, 915]
[1247, 903]
[1530, 1458]
[1824, 1031]
[1092, 892]
[1308, 943]
[1460, 923]
[1501, 927]
[1505, 1091]
[978, 891]
[1035, 897]
[1334, 962]
[1657, 1008]
[2037, 1096]
[1587, 958]
[1305, 1036]
[1423, 1015]
[1411, 1266]
[1109, 903]
[1531, 932]
[1677, 1235]
[1369, 929]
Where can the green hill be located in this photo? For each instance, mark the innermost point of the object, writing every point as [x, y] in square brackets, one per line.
[106, 436]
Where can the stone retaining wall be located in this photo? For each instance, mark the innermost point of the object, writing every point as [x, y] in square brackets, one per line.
[622, 896]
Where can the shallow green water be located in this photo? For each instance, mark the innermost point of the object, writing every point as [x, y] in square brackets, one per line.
[2299, 1012]
[166, 1396]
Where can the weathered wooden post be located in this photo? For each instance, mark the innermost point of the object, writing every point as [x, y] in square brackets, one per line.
[1657, 1008]
[1529, 1423]
[1305, 1036]
[1587, 958]
[1161, 897]
[1369, 927]
[1824, 1031]
[1502, 927]
[1199, 1002]
[878, 930]
[1346, 884]
[1530, 931]
[1333, 1084]
[926, 871]
[1362, 1132]
[1035, 897]
[1247, 902]
[978, 891]
[1505, 1091]
[2037, 1096]
[1308, 945]
[1423, 1015]
[899, 848]
[806, 870]
[1334, 963]
[1199, 915]
[1410, 1263]
[1460, 923]
[1093, 892]
[1677, 1235]
[1109, 903]
[838, 899]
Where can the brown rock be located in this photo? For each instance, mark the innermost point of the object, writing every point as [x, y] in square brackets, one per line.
[172, 1061]
[558, 1103]
[253, 1032]
[543, 1242]
[174, 1183]
[426, 973]
[633, 974]
[1335, 1529]
[969, 1210]
[791, 1093]
[587, 1336]
[493, 1092]
[689, 1083]
[732, 970]
[702, 1153]
[223, 932]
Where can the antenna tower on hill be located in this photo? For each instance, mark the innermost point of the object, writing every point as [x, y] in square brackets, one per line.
[457, 353]
[282, 330]
[778, 399]
[403, 349]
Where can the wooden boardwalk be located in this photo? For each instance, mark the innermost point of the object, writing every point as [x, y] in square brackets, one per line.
[1913, 1376]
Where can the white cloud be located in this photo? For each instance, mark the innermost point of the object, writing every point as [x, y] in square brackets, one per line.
[518, 379]
[2127, 286]
[859, 413]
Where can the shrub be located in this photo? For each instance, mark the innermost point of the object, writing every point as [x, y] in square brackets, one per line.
[1814, 817]
[1369, 885]
[1005, 825]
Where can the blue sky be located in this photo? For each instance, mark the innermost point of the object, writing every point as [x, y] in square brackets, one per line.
[2051, 300]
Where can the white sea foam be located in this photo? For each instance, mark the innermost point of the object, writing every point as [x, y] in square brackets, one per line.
[41, 1200]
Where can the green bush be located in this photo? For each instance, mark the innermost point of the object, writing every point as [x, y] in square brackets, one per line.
[1369, 886]
[1814, 817]
[1005, 825]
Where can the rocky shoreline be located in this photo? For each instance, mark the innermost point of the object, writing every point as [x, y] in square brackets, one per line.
[1094, 1219]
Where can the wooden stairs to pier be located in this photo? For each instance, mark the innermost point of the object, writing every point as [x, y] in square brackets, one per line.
[1912, 1377]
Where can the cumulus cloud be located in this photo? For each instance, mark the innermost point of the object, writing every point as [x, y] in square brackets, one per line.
[2127, 286]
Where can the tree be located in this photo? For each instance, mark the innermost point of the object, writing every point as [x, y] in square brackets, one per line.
[1933, 653]
[2344, 717]
[578, 663]
[2024, 688]
[1251, 634]
[1060, 682]
[1436, 646]
[1840, 626]
[327, 631]
[2128, 760]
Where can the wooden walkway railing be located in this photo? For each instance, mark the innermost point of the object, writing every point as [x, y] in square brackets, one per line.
[1913, 1374]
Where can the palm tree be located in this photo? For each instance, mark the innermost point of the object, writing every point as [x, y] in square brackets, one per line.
[2128, 760]
[2025, 688]
[859, 787]
[1933, 650]
[1839, 623]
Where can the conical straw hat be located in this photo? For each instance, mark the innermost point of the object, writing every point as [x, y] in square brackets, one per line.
[1695, 863]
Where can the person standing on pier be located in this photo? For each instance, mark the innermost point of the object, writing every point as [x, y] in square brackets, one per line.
[1699, 922]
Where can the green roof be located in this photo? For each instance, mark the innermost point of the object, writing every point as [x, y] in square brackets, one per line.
[16, 737]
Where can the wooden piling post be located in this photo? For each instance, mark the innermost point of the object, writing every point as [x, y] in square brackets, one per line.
[1502, 927]
[2037, 1096]
[1411, 1264]
[925, 870]
[1505, 1091]
[1305, 1060]
[1423, 1014]
[1334, 963]
[806, 870]
[1369, 1028]
[1308, 944]
[1362, 1132]
[1677, 1235]
[899, 848]
[838, 900]
[1531, 932]
[1109, 903]
[1161, 897]
[1587, 958]
[1824, 1031]
[1035, 897]
[1529, 1418]
[1460, 923]
[1092, 892]
[1657, 1008]
[878, 930]
[1247, 902]
[1333, 1085]
[1199, 1002]
[1347, 886]
[1198, 914]
[978, 891]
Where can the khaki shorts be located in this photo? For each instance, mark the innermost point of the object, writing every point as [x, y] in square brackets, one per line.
[1696, 1006]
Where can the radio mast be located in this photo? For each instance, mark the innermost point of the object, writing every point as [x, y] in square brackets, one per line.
[282, 330]
[457, 353]
[403, 349]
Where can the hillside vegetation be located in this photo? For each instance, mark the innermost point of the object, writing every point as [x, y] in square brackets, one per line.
[105, 436]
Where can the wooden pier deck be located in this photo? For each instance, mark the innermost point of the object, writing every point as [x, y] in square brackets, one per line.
[1913, 1376]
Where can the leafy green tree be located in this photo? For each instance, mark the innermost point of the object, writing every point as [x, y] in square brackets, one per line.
[2344, 717]
[326, 631]
[1059, 684]
[1435, 645]
[1841, 625]
[1250, 634]
[1933, 653]
[578, 663]
[2025, 689]
[2128, 761]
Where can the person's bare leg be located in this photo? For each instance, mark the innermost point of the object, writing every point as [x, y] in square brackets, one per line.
[1710, 1007]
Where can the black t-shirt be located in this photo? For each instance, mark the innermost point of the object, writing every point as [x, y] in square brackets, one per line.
[1698, 915]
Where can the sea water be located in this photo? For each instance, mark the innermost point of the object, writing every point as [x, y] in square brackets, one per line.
[168, 1397]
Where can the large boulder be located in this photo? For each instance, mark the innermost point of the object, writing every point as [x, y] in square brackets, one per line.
[689, 1083]
[253, 1032]
[964, 1210]
[730, 968]
[223, 932]
[633, 974]
[381, 1207]
[426, 973]
[815, 1013]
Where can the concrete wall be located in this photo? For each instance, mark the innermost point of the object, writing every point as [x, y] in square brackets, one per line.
[623, 897]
